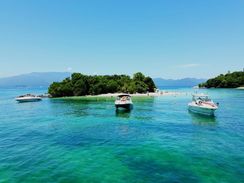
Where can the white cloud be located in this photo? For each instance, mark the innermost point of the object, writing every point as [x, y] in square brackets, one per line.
[69, 69]
[189, 65]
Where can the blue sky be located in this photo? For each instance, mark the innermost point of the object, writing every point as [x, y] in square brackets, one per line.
[164, 38]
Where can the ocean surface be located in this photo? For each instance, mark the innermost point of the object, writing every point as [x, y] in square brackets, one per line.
[86, 140]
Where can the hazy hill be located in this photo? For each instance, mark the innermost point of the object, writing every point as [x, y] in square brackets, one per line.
[35, 79]
[44, 79]
[186, 82]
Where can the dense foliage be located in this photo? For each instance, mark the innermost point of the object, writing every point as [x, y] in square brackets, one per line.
[230, 80]
[80, 85]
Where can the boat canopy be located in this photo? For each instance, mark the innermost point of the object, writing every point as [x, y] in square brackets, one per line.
[124, 95]
[27, 95]
[201, 96]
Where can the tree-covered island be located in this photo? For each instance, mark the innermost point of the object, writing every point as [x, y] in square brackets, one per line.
[229, 80]
[81, 85]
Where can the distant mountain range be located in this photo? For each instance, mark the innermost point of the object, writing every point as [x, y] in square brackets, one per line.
[186, 82]
[35, 79]
[44, 79]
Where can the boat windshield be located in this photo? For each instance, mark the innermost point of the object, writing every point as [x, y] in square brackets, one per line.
[123, 98]
[26, 95]
[202, 98]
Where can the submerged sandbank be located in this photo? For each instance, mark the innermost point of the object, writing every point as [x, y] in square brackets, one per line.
[151, 94]
[136, 95]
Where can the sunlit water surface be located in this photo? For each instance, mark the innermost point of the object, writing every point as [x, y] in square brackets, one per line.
[81, 140]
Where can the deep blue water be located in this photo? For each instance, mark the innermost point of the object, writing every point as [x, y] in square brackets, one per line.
[85, 140]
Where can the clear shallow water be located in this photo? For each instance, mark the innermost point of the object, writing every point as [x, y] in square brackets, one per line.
[77, 140]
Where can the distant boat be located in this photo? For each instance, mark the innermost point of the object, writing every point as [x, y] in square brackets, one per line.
[124, 101]
[28, 98]
[202, 104]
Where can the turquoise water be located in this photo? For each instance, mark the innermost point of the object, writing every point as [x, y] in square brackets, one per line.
[81, 140]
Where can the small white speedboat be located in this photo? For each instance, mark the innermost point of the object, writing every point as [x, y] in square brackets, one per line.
[124, 101]
[202, 104]
[28, 98]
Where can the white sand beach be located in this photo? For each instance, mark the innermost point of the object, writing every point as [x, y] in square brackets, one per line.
[240, 88]
[151, 94]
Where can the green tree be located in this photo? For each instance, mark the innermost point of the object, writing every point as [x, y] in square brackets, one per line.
[112, 86]
[138, 77]
[54, 89]
[229, 80]
[99, 88]
[131, 88]
[141, 87]
[76, 77]
[66, 87]
[150, 84]
[80, 84]
[80, 88]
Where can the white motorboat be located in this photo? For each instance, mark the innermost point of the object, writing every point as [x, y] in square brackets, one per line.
[124, 101]
[202, 104]
[28, 98]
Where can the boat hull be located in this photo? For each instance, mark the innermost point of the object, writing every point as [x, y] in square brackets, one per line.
[201, 110]
[124, 106]
[28, 100]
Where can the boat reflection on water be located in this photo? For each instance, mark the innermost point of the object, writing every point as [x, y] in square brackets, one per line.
[202, 120]
[123, 113]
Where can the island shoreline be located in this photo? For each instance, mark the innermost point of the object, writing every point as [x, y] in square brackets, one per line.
[114, 95]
